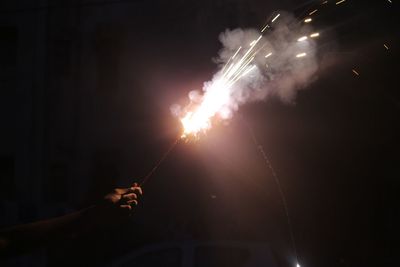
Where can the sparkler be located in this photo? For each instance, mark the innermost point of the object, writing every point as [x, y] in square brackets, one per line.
[198, 117]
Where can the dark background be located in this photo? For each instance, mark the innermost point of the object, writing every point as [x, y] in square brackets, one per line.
[86, 88]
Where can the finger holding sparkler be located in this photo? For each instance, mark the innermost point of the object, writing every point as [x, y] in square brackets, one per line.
[124, 198]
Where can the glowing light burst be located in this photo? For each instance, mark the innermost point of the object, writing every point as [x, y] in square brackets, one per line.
[217, 96]
[216, 102]
[199, 120]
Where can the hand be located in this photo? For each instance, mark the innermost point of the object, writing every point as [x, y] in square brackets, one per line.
[124, 198]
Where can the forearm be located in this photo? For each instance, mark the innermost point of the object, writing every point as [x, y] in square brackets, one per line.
[115, 205]
[19, 239]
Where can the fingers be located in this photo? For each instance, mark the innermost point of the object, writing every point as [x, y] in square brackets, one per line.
[131, 196]
[121, 191]
[135, 188]
[133, 202]
[126, 207]
[127, 198]
[130, 199]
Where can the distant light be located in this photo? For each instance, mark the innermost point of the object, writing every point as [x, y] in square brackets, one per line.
[277, 16]
[387, 47]
[308, 20]
[268, 55]
[341, 1]
[355, 72]
[312, 12]
[316, 34]
[302, 39]
[301, 55]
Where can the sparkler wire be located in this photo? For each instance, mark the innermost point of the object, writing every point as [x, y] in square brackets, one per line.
[160, 161]
[267, 162]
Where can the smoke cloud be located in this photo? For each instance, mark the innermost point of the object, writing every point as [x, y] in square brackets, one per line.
[285, 63]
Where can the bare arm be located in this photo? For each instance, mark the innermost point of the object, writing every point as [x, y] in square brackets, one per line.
[23, 238]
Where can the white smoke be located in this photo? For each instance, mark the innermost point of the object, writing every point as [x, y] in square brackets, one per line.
[283, 65]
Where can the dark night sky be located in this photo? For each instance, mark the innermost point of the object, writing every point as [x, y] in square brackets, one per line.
[100, 116]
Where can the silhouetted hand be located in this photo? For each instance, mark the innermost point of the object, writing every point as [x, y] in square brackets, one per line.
[124, 198]
[22, 238]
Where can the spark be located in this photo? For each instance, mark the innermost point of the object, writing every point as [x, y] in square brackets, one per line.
[298, 265]
[389, 1]
[301, 39]
[301, 55]
[234, 55]
[355, 72]
[199, 116]
[255, 41]
[266, 26]
[308, 20]
[341, 1]
[312, 12]
[316, 34]
[277, 16]
[387, 47]
[325, 2]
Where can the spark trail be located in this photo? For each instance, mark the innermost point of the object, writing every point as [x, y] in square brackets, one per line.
[277, 60]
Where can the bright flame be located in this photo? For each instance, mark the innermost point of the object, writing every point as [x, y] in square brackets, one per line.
[199, 120]
[216, 98]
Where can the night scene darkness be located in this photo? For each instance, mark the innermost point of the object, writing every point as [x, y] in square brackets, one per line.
[206, 133]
